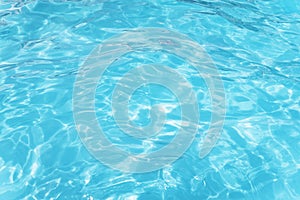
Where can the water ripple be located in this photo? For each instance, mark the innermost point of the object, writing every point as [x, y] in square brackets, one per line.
[255, 45]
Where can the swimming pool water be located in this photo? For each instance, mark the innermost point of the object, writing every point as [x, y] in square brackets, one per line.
[255, 46]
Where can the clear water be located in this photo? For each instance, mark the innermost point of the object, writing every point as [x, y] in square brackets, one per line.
[255, 46]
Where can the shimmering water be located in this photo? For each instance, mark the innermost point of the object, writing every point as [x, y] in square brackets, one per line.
[255, 46]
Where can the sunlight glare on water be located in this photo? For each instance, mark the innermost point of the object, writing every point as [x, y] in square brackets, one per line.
[255, 47]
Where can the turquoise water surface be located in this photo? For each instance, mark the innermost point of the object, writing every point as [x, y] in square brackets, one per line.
[255, 45]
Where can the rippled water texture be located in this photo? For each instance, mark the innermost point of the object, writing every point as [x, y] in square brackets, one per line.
[254, 44]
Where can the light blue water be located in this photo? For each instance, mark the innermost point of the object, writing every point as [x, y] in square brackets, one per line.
[255, 46]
